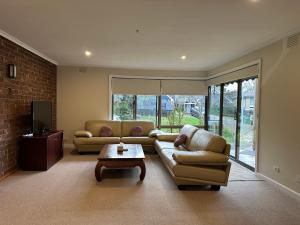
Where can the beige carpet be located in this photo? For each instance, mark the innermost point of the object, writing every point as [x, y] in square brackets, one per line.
[69, 194]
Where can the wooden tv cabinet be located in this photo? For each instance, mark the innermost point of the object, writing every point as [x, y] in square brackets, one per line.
[40, 152]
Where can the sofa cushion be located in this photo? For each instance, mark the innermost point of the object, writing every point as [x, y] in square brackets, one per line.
[167, 137]
[180, 140]
[96, 140]
[136, 131]
[160, 145]
[106, 131]
[83, 133]
[207, 141]
[94, 127]
[127, 125]
[155, 132]
[200, 158]
[138, 140]
[189, 131]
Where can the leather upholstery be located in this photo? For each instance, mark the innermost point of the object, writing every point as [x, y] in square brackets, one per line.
[96, 140]
[83, 142]
[200, 158]
[94, 127]
[138, 140]
[189, 131]
[207, 141]
[207, 165]
[127, 125]
[83, 133]
[167, 137]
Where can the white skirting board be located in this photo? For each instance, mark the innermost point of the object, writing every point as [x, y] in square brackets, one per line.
[282, 187]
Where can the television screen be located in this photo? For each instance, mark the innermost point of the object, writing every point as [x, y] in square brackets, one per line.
[41, 116]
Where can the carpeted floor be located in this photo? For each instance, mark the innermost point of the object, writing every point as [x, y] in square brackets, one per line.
[69, 194]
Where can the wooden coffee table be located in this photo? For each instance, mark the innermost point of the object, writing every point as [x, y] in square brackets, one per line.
[110, 158]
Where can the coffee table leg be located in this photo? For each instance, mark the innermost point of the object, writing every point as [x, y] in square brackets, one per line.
[143, 170]
[98, 171]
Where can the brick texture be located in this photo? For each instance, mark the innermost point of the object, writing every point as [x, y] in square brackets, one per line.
[36, 80]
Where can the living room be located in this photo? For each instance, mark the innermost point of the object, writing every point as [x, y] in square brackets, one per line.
[227, 67]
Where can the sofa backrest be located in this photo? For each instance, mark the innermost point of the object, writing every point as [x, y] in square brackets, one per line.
[207, 141]
[94, 126]
[189, 131]
[127, 125]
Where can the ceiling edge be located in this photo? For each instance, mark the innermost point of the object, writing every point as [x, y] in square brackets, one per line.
[26, 46]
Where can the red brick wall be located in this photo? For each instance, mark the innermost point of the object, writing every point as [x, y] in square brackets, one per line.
[36, 80]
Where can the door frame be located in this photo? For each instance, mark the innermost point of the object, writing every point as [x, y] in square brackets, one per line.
[257, 108]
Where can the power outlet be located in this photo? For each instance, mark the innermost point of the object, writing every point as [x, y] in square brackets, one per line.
[276, 169]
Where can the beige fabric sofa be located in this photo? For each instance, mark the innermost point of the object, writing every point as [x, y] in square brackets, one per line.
[203, 159]
[88, 140]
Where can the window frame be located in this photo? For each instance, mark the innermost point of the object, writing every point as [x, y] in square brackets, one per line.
[158, 113]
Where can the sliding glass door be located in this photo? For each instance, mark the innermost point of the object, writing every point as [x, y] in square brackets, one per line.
[247, 123]
[229, 117]
[232, 113]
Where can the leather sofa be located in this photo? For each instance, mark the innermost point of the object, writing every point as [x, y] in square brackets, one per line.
[202, 160]
[88, 140]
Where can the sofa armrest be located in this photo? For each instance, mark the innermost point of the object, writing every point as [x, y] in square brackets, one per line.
[155, 132]
[200, 158]
[83, 133]
[167, 137]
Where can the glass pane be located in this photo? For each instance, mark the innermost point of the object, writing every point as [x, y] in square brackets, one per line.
[214, 109]
[181, 109]
[146, 107]
[123, 107]
[229, 115]
[247, 123]
[170, 130]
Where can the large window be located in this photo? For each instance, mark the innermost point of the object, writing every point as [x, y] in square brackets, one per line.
[214, 109]
[168, 112]
[177, 110]
[123, 107]
[146, 108]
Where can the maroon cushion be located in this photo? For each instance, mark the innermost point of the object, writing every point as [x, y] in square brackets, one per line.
[105, 131]
[136, 131]
[180, 140]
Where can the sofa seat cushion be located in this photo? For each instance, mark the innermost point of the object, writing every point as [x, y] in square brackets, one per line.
[207, 141]
[160, 145]
[83, 133]
[200, 172]
[200, 158]
[138, 140]
[96, 141]
[205, 173]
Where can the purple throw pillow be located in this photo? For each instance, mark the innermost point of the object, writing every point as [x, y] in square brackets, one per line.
[105, 131]
[136, 131]
[180, 140]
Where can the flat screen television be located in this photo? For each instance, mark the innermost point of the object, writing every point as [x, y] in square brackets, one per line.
[41, 112]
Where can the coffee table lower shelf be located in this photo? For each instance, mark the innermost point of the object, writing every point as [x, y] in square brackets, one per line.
[119, 164]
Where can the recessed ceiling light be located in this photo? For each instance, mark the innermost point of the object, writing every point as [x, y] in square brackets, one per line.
[87, 53]
[183, 57]
[254, 0]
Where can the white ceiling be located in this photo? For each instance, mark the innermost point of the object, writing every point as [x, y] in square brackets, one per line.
[208, 32]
